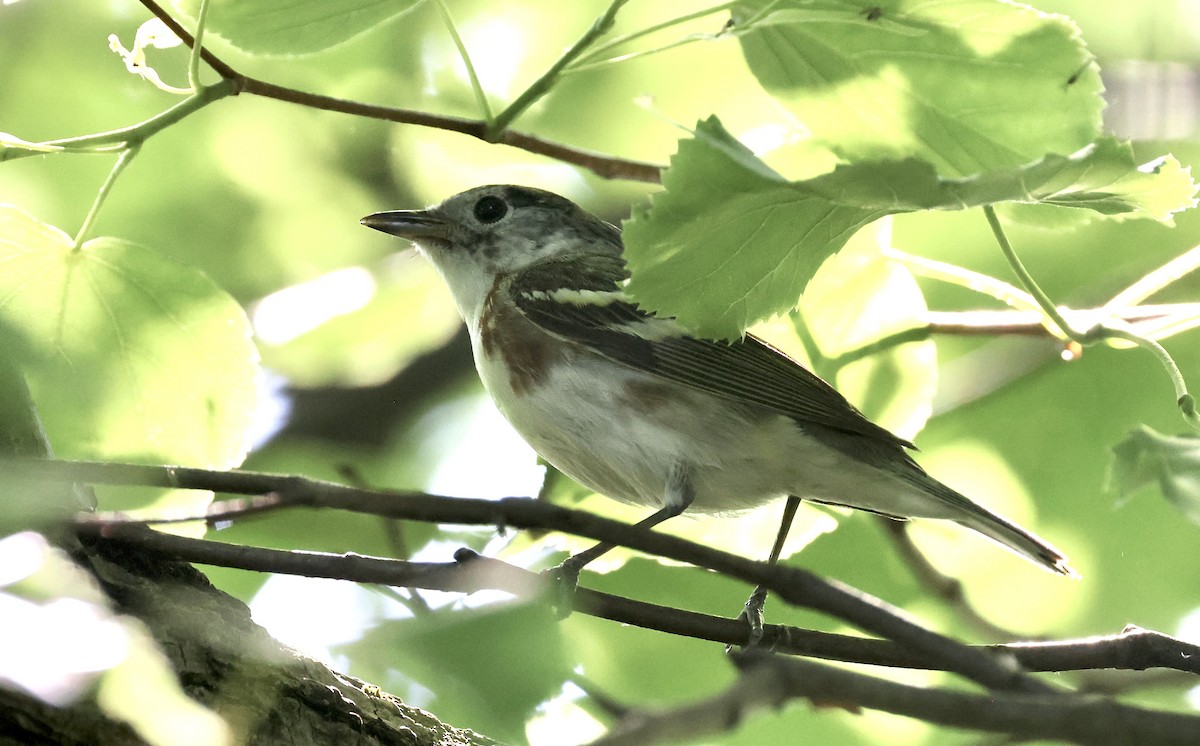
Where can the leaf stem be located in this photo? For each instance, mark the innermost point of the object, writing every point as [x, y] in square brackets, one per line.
[542, 85]
[122, 161]
[817, 360]
[1186, 402]
[194, 59]
[1027, 280]
[1158, 279]
[883, 344]
[591, 59]
[480, 97]
[944, 271]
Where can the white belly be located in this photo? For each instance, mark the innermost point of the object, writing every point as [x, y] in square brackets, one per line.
[622, 432]
[611, 429]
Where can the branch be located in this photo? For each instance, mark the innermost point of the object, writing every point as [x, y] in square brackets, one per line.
[948, 589]
[793, 585]
[1133, 649]
[1104, 329]
[607, 167]
[768, 681]
[1012, 323]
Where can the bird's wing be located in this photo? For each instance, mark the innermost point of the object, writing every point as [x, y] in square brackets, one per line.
[581, 300]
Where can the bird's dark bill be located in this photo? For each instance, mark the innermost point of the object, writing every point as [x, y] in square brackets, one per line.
[415, 225]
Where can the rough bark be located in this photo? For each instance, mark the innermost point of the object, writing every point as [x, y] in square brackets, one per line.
[268, 693]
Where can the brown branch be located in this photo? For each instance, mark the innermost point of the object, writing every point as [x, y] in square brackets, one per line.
[944, 587]
[767, 681]
[793, 585]
[1133, 649]
[605, 166]
[1004, 323]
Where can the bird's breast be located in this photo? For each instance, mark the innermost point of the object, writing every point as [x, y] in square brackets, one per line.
[512, 354]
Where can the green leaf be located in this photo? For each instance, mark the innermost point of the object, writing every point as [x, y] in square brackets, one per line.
[730, 242]
[1104, 177]
[490, 667]
[858, 297]
[28, 504]
[968, 86]
[284, 27]
[1146, 456]
[128, 355]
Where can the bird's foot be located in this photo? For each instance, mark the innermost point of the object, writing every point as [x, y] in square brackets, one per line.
[752, 614]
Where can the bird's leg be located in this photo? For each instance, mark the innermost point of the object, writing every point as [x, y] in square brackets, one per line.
[679, 495]
[753, 610]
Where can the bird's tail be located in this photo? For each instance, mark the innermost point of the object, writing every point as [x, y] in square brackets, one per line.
[1013, 537]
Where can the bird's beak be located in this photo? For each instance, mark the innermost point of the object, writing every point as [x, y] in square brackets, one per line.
[418, 226]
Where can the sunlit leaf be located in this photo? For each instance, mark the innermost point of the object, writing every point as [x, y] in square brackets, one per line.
[128, 355]
[27, 504]
[967, 86]
[491, 666]
[292, 26]
[731, 242]
[1149, 457]
[857, 298]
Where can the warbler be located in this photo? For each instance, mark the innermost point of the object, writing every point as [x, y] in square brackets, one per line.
[633, 406]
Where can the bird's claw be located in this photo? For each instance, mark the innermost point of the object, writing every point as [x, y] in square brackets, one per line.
[752, 614]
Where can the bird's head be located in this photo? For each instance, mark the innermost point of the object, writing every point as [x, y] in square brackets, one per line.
[480, 234]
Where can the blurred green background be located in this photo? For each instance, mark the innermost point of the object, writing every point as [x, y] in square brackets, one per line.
[368, 371]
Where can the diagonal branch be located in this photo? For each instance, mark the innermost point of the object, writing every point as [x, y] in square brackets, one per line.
[949, 589]
[608, 167]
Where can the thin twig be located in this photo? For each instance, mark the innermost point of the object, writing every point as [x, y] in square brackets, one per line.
[545, 82]
[605, 166]
[593, 58]
[942, 586]
[1030, 285]
[85, 228]
[1008, 323]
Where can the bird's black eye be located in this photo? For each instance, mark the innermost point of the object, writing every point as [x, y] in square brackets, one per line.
[490, 209]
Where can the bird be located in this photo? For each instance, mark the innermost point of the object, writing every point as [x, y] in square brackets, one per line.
[634, 406]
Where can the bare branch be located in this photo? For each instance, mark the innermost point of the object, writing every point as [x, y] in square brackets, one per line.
[768, 681]
[940, 585]
[608, 167]
[1133, 649]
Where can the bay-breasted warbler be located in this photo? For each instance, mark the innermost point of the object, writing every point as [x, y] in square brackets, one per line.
[631, 405]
